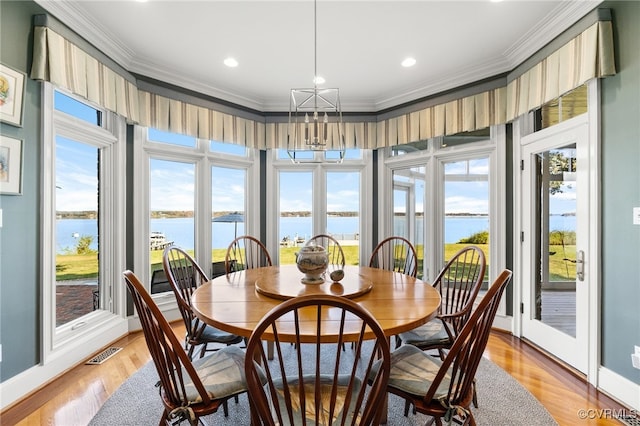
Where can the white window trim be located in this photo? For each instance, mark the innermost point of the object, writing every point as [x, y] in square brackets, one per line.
[433, 160]
[362, 165]
[69, 344]
[203, 159]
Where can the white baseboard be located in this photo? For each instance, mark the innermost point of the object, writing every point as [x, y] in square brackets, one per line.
[169, 311]
[620, 388]
[503, 322]
[22, 384]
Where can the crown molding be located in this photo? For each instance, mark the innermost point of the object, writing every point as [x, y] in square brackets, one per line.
[161, 72]
[555, 23]
[562, 17]
[489, 68]
[90, 30]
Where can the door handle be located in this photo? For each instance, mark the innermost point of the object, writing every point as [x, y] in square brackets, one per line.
[580, 265]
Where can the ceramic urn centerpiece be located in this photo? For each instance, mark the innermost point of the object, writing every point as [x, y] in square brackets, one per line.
[312, 261]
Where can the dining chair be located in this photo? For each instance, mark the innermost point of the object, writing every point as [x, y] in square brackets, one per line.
[458, 284]
[188, 389]
[395, 254]
[246, 252]
[444, 389]
[333, 248]
[184, 276]
[317, 383]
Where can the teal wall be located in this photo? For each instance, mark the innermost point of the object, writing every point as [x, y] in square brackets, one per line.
[620, 193]
[19, 242]
[19, 236]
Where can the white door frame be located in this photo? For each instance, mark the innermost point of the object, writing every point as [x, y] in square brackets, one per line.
[521, 127]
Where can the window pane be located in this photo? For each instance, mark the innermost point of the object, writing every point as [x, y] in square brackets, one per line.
[227, 206]
[556, 209]
[228, 148]
[466, 206]
[171, 203]
[77, 239]
[466, 137]
[77, 109]
[296, 201]
[408, 208]
[563, 108]
[301, 155]
[349, 154]
[171, 138]
[343, 212]
[408, 148]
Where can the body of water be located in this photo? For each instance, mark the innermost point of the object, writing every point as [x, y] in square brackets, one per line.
[181, 230]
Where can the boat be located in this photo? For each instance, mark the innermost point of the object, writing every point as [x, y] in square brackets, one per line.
[158, 241]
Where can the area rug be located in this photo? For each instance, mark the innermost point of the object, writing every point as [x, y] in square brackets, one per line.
[502, 402]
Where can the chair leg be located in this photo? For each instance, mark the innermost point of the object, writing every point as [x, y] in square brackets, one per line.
[203, 350]
[225, 408]
[475, 395]
[407, 404]
[398, 342]
[190, 351]
[164, 420]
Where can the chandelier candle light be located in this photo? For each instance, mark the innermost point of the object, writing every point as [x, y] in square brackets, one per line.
[321, 129]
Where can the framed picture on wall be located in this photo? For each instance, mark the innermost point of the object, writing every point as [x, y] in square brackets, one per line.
[11, 95]
[10, 166]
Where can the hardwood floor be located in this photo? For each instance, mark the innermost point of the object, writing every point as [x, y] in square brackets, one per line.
[74, 398]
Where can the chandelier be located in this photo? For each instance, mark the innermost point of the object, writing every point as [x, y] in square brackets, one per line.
[315, 118]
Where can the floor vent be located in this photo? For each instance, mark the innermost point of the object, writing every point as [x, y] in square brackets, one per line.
[629, 420]
[103, 356]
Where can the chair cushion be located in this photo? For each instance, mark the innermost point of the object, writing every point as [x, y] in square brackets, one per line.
[326, 385]
[413, 371]
[431, 334]
[212, 334]
[222, 374]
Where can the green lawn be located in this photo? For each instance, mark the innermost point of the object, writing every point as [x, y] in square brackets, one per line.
[75, 266]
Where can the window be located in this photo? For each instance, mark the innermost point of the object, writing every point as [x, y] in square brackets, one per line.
[228, 148]
[343, 212]
[295, 223]
[466, 205]
[156, 135]
[192, 193]
[409, 148]
[446, 196]
[349, 154]
[567, 106]
[318, 198]
[408, 208]
[228, 194]
[83, 226]
[77, 229]
[171, 215]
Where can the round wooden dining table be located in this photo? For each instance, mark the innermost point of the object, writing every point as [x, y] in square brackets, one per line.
[236, 302]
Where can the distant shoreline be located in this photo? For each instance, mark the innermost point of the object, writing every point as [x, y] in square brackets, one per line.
[174, 214]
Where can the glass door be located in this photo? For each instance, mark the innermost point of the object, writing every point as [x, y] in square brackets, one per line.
[555, 243]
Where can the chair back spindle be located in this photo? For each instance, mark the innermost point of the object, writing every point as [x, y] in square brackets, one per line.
[312, 381]
[395, 254]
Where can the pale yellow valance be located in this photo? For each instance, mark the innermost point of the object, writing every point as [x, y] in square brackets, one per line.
[357, 134]
[181, 117]
[587, 56]
[64, 64]
[460, 115]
